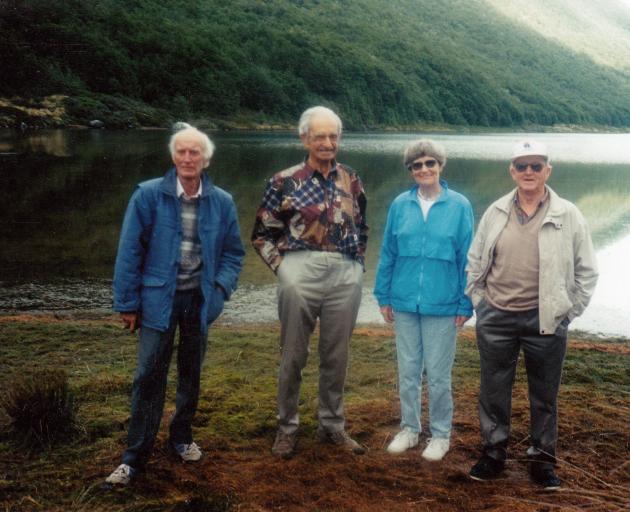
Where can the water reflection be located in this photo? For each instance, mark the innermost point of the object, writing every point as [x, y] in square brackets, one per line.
[48, 143]
[578, 147]
[63, 193]
[608, 311]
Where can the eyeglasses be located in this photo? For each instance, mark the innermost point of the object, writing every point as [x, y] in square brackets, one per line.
[417, 166]
[537, 167]
[321, 137]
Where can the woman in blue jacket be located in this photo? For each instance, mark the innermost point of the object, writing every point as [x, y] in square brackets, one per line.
[420, 286]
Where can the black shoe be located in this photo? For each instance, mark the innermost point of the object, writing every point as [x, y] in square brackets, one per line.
[544, 475]
[486, 468]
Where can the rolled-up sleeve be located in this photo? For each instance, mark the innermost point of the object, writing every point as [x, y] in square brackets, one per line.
[269, 226]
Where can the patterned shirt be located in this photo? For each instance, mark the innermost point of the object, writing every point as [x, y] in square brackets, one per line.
[303, 210]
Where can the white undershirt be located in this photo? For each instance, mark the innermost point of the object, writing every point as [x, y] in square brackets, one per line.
[425, 204]
[180, 191]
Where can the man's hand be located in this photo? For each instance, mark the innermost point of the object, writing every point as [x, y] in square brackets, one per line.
[388, 314]
[131, 321]
[460, 320]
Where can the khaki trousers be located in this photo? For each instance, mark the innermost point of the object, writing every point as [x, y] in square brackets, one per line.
[311, 285]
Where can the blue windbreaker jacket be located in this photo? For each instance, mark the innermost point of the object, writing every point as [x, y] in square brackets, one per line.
[422, 263]
[148, 251]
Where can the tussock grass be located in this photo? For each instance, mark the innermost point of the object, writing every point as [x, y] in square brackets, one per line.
[40, 408]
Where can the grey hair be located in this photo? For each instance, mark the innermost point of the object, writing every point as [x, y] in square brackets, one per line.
[181, 129]
[306, 117]
[424, 147]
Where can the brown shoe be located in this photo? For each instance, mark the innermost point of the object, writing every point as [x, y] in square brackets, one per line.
[341, 439]
[284, 445]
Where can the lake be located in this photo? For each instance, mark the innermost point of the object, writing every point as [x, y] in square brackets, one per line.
[64, 193]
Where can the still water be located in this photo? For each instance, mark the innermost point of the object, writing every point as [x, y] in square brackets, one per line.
[63, 194]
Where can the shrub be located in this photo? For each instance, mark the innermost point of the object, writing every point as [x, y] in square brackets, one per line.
[114, 111]
[40, 408]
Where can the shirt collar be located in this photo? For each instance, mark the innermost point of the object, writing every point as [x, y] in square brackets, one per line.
[180, 190]
[521, 215]
[311, 170]
[542, 201]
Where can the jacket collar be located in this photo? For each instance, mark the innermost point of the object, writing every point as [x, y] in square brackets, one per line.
[169, 183]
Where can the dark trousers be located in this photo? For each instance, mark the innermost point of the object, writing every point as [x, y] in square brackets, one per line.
[155, 349]
[500, 337]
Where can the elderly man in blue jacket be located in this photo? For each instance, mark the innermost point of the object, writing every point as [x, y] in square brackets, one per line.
[179, 257]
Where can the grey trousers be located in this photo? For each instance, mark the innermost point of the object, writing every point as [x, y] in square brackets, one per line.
[500, 336]
[311, 285]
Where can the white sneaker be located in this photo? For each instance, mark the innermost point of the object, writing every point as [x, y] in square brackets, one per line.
[404, 440]
[436, 448]
[122, 475]
[188, 452]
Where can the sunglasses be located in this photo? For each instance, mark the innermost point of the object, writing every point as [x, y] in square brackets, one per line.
[523, 167]
[417, 166]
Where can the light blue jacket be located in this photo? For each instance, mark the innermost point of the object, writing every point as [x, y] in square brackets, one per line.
[148, 251]
[422, 263]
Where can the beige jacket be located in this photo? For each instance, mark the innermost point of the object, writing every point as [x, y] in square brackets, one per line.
[567, 266]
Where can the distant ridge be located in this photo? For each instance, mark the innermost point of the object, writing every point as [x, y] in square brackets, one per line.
[598, 29]
[380, 64]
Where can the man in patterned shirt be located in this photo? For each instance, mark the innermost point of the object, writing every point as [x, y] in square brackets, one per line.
[310, 230]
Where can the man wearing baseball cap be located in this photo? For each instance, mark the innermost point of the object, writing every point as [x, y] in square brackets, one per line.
[531, 270]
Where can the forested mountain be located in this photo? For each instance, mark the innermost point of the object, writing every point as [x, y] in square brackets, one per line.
[379, 63]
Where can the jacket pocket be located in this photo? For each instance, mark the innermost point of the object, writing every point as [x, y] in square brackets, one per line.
[155, 300]
[405, 281]
[148, 280]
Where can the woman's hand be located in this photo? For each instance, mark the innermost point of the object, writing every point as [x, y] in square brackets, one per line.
[388, 314]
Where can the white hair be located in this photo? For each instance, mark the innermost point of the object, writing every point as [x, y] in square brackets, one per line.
[184, 129]
[306, 117]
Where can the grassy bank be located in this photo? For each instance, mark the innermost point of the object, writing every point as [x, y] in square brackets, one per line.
[235, 426]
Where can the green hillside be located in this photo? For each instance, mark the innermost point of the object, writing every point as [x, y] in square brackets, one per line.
[379, 63]
[599, 29]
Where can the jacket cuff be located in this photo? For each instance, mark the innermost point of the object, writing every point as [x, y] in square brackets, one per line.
[225, 289]
[126, 307]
